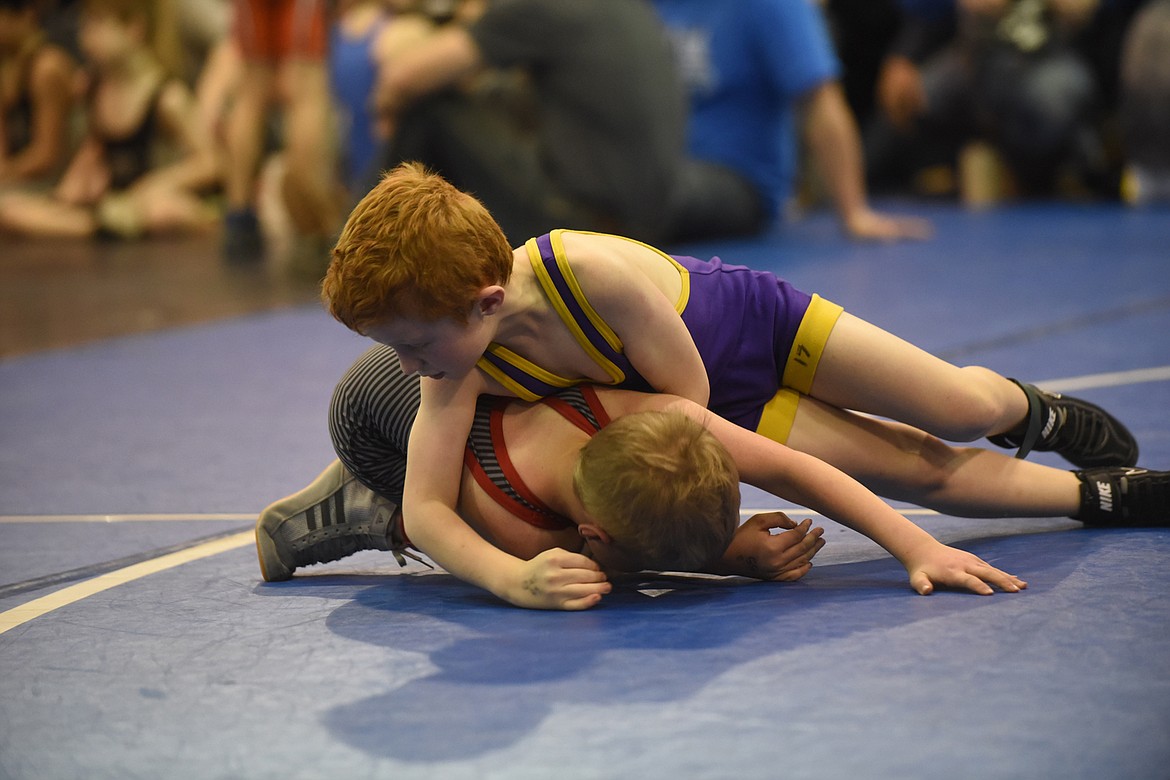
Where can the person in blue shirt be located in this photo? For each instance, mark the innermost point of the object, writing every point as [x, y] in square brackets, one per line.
[760, 73]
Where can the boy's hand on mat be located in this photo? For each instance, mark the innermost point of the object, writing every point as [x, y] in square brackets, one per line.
[559, 579]
[755, 551]
[943, 566]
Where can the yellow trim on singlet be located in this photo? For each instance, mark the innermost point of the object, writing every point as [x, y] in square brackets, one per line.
[684, 293]
[558, 247]
[778, 415]
[809, 344]
[525, 365]
[616, 375]
[561, 308]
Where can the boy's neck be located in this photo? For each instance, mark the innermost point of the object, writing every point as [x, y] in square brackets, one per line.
[524, 297]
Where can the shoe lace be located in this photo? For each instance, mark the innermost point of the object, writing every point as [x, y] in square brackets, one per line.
[340, 541]
[1078, 431]
[331, 548]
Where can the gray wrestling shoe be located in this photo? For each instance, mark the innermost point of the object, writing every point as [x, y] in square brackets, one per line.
[335, 516]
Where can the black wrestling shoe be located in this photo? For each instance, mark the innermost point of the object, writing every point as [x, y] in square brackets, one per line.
[1084, 434]
[332, 518]
[1124, 497]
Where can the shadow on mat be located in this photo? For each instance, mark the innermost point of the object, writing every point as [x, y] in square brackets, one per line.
[496, 672]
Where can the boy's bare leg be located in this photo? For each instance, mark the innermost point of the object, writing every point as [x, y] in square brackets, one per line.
[869, 370]
[899, 462]
[904, 463]
[866, 369]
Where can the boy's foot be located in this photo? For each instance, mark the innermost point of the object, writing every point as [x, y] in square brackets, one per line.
[1083, 433]
[332, 518]
[1124, 497]
[243, 243]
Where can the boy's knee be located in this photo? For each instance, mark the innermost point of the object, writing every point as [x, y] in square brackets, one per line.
[976, 410]
[922, 467]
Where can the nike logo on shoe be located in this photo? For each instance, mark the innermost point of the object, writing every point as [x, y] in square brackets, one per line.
[1105, 496]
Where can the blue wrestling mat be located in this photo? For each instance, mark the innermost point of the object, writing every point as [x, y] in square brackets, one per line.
[138, 640]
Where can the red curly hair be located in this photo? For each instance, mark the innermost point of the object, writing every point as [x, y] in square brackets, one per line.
[415, 246]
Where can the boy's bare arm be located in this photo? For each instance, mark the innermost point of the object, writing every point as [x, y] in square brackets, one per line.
[653, 335]
[556, 579]
[815, 484]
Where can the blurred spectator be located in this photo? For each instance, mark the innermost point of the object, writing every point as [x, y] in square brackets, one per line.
[1145, 106]
[112, 184]
[353, 68]
[760, 72]
[202, 25]
[283, 45]
[862, 31]
[366, 37]
[36, 98]
[995, 87]
[604, 143]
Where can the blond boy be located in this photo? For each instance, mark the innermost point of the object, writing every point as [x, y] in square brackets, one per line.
[652, 490]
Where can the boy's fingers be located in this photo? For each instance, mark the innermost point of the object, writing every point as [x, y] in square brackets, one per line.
[768, 520]
[790, 575]
[572, 576]
[809, 542]
[584, 602]
[921, 583]
[812, 549]
[1006, 582]
[977, 585]
[571, 560]
[795, 535]
[814, 538]
[793, 550]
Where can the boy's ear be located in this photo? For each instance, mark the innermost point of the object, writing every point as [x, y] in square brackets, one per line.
[490, 300]
[593, 533]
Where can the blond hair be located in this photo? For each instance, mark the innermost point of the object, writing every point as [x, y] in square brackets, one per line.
[663, 487]
[414, 246]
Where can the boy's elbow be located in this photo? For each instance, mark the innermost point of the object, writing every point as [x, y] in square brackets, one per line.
[690, 408]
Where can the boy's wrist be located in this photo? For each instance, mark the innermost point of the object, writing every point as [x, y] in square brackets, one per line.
[506, 582]
[913, 549]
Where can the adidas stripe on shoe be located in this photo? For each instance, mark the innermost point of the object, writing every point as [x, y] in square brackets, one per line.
[334, 517]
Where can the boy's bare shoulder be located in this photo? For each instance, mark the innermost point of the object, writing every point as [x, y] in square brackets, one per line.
[605, 258]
